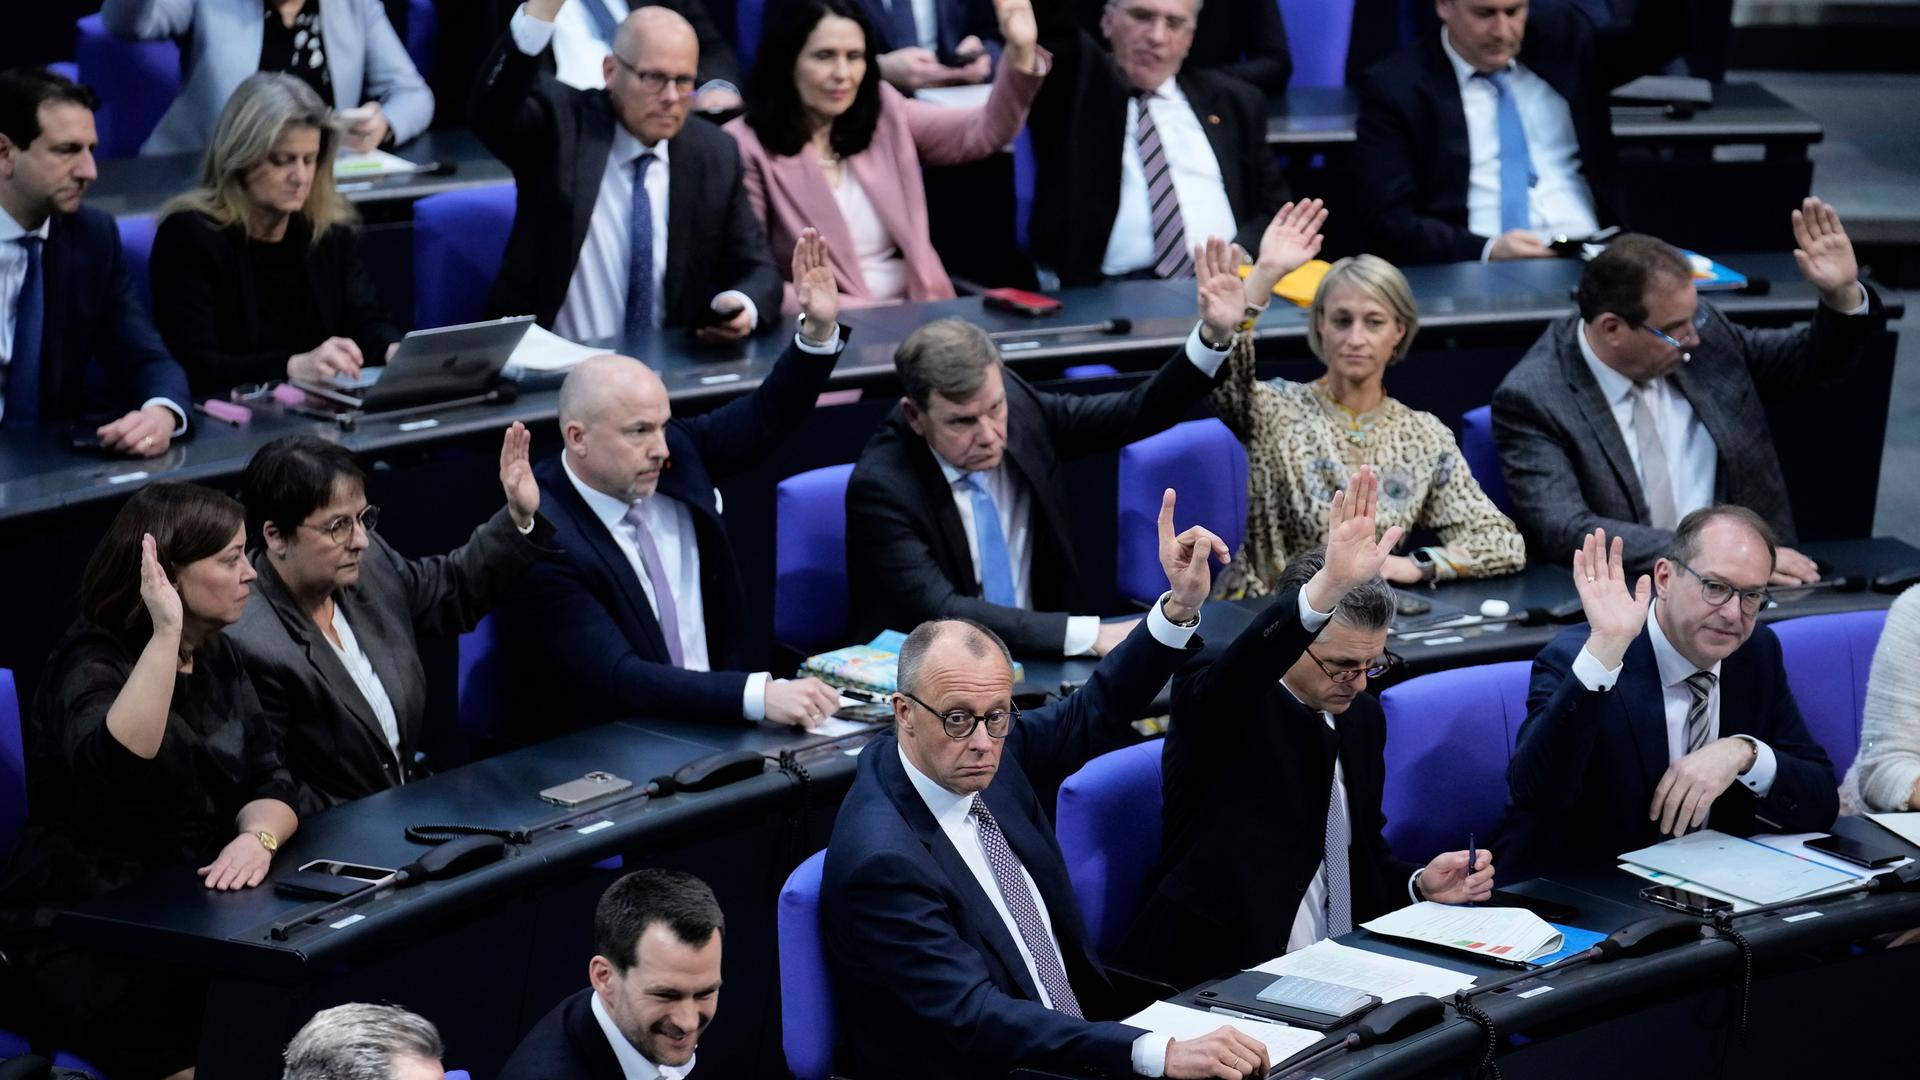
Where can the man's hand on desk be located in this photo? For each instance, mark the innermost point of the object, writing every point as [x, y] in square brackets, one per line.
[1519, 244]
[1825, 256]
[143, 433]
[1792, 568]
[1687, 791]
[1446, 880]
[1185, 559]
[1112, 634]
[1615, 615]
[1225, 1052]
[912, 68]
[801, 703]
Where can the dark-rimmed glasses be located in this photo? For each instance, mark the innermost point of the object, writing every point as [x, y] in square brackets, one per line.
[959, 723]
[340, 529]
[1697, 323]
[1716, 592]
[655, 81]
[1380, 666]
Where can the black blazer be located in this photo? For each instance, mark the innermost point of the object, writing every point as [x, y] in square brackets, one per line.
[1245, 758]
[205, 300]
[1242, 38]
[1079, 126]
[556, 139]
[567, 1042]
[1586, 764]
[907, 556]
[924, 969]
[335, 746]
[587, 643]
[1567, 466]
[1411, 154]
[93, 316]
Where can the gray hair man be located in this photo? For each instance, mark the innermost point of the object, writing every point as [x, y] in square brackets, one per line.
[365, 1042]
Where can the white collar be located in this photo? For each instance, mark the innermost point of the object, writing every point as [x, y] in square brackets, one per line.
[11, 230]
[948, 809]
[611, 511]
[1614, 386]
[627, 147]
[1674, 668]
[1464, 72]
[1168, 90]
[955, 473]
[633, 1064]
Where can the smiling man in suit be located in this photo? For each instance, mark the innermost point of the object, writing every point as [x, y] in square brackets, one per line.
[630, 217]
[1657, 718]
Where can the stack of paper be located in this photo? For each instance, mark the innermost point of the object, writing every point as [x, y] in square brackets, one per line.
[370, 165]
[1904, 826]
[543, 350]
[1749, 873]
[1510, 934]
[1184, 1022]
[1389, 978]
[873, 667]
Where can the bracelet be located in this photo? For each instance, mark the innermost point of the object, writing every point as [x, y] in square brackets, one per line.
[1252, 315]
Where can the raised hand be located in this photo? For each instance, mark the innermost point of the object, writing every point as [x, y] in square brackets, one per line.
[516, 475]
[1184, 558]
[1216, 275]
[158, 593]
[1354, 555]
[1825, 255]
[814, 288]
[1019, 30]
[1292, 237]
[1615, 613]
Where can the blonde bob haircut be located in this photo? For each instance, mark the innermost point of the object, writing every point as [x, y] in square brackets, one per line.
[1377, 279]
[261, 110]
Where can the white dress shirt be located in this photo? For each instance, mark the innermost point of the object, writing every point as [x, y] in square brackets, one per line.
[360, 670]
[881, 263]
[1014, 502]
[633, 1064]
[1204, 209]
[1560, 203]
[1677, 698]
[1693, 459]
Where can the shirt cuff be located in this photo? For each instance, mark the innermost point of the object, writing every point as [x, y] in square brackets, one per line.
[800, 342]
[179, 414]
[527, 529]
[1204, 356]
[1486, 253]
[1309, 618]
[1586, 668]
[1759, 779]
[753, 313]
[1165, 630]
[1413, 885]
[1150, 1054]
[530, 35]
[1082, 632]
[753, 700]
[1866, 302]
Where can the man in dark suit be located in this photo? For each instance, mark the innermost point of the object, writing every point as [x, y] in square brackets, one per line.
[1490, 137]
[643, 612]
[66, 300]
[957, 507]
[629, 217]
[1116, 197]
[1648, 404]
[1242, 38]
[654, 984]
[956, 944]
[1299, 761]
[1641, 728]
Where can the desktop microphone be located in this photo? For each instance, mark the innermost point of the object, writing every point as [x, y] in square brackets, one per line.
[1112, 327]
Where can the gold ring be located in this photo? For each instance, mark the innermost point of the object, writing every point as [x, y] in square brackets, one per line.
[1591, 579]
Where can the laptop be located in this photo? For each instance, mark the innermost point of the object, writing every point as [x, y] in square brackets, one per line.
[442, 364]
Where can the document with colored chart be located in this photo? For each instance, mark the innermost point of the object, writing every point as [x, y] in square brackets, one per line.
[1511, 935]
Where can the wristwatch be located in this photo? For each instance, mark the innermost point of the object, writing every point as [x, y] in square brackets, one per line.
[268, 841]
[1422, 558]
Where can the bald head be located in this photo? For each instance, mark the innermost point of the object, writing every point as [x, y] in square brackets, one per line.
[613, 420]
[654, 24]
[653, 45]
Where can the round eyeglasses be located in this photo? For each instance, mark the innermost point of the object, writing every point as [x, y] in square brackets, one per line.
[340, 529]
[959, 723]
[1716, 592]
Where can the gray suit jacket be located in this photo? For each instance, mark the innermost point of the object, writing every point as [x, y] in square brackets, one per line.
[1567, 466]
[334, 745]
[220, 46]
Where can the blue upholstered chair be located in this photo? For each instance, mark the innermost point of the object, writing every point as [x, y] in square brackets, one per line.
[477, 681]
[748, 18]
[810, 559]
[136, 81]
[1208, 467]
[458, 1074]
[1449, 738]
[459, 239]
[1483, 457]
[1827, 658]
[1317, 36]
[13, 766]
[1107, 820]
[809, 1023]
[423, 46]
[136, 245]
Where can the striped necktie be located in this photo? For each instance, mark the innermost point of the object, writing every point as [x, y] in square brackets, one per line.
[1170, 256]
[1026, 915]
[1699, 724]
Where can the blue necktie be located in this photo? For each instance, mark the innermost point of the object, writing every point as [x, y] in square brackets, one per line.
[604, 24]
[1516, 164]
[23, 369]
[996, 568]
[640, 254]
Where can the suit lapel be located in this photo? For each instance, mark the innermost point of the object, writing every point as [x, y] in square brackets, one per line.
[1442, 89]
[1696, 384]
[1639, 693]
[319, 653]
[54, 288]
[1041, 856]
[613, 561]
[1594, 411]
[938, 496]
[367, 625]
[683, 186]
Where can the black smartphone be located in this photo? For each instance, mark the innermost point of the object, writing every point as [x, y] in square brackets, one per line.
[1847, 849]
[1686, 900]
[716, 316]
[959, 59]
[330, 879]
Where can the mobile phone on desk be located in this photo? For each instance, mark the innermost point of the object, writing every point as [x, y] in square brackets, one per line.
[715, 316]
[592, 786]
[1021, 302]
[331, 879]
[1847, 849]
[959, 59]
[1685, 900]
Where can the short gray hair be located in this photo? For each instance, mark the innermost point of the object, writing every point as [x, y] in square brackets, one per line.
[1376, 278]
[1368, 606]
[913, 652]
[1685, 546]
[359, 1042]
[948, 357]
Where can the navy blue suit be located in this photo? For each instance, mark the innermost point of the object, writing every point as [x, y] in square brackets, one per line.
[929, 981]
[1586, 763]
[93, 314]
[567, 1042]
[588, 643]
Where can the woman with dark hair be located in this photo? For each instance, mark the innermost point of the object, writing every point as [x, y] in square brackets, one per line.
[146, 749]
[827, 144]
[332, 639]
[256, 272]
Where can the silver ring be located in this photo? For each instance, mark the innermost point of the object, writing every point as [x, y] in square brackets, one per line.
[1591, 580]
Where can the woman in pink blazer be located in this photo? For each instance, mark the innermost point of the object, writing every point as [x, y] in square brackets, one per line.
[829, 145]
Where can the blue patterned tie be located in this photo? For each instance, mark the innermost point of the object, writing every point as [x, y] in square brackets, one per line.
[996, 568]
[1516, 164]
[604, 24]
[23, 369]
[1026, 916]
[640, 254]
[1334, 870]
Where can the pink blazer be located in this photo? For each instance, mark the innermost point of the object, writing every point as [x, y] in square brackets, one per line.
[791, 193]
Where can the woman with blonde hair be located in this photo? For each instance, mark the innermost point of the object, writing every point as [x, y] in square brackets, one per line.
[1305, 440]
[257, 273]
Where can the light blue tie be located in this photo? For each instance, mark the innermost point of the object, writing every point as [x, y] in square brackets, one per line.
[640, 254]
[29, 324]
[604, 24]
[996, 568]
[1516, 164]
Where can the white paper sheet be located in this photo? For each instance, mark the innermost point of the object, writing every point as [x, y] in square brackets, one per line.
[543, 350]
[356, 165]
[1503, 933]
[1183, 1022]
[1730, 864]
[1905, 826]
[1795, 844]
[1389, 977]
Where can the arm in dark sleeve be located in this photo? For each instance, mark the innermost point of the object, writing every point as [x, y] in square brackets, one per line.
[505, 110]
[448, 594]
[186, 277]
[1557, 738]
[131, 347]
[1384, 182]
[1099, 716]
[268, 684]
[1787, 361]
[1220, 688]
[1083, 424]
[741, 433]
[266, 761]
[367, 321]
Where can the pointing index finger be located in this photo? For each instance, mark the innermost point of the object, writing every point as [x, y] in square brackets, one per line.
[1166, 517]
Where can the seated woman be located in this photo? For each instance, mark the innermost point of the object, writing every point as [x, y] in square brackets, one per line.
[257, 273]
[351, 58]
[1304, 440]
[146, 750]
[828, 145]
[332, 640]
[1885, 777]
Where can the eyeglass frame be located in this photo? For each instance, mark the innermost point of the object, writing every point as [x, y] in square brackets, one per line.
[1698, 322]
[1763, 594]
[1012, 713]
[340, 529]
[1345, 676]
[683, 85]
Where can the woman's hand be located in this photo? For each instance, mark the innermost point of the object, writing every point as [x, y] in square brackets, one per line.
[1292, 237]
[1021, 33]
[1216, 274]
[242, 864]
[335, 357]
[158, 593]
[814, 288]
[366, 128]
[516, 476]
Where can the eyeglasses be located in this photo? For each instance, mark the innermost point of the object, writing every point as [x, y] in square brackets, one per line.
[340, 529]
[959, 723]
[1716, 592]
[1698, 323]
[655, 81]
[1380, 666]
[1144, 19]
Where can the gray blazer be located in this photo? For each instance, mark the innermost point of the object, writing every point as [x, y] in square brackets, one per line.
[220, 46]
[1566, 464]
[334, 745]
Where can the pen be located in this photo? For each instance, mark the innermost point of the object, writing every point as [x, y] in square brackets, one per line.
[1222, 1011]
[1473, 854]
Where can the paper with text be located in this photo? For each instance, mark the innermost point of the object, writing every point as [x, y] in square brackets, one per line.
[1502, 933]
[1185, 1022]
[1388, 977]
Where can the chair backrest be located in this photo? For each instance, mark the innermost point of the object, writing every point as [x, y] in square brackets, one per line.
[1483, 457]
[477, 682]
[459, 239]
[1317, 35]
[136, 81]
[1026, 171]
[749, 16]
[458, 1074]
[1107, 819]
[1202, 461]
[1449, 738]
[423, 36]
[136, 246]
[810, 559]
[809, 1023]
[13, 766]
[1828, 658]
